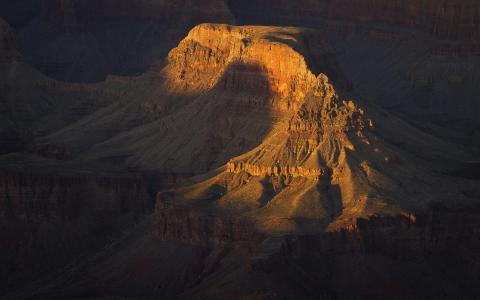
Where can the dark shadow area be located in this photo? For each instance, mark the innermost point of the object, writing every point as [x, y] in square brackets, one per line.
[434, 256]
[335, 205]
[470, 170]
[55, 216]
[241, 94]
[85, 40]
[20, 12]
[317, 52]
[268, 192]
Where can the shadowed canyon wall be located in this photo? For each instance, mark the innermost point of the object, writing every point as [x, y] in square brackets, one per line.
[50, 219]
[433, 254]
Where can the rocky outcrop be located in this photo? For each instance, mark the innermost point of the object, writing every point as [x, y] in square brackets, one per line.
[254, 170]
[246, 60]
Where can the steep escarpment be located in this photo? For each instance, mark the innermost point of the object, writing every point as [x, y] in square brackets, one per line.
[439, 244]
[432, 254]
[48, 219]
[202, 60]
[429, 255]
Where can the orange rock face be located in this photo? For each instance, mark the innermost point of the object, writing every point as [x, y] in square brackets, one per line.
[235, 59]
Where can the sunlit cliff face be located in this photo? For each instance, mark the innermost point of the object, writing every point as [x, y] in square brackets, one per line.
[213, 55]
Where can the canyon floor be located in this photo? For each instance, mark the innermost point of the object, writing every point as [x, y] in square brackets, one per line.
[338, 161]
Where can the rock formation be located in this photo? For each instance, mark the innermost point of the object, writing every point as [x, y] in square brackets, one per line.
[309, 139]
[332, 155]
[289, 162]
[197, 77]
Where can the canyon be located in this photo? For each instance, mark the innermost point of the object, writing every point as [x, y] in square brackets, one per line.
[416, 53]
[170, 150]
